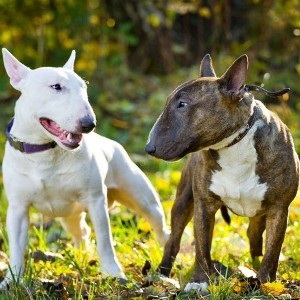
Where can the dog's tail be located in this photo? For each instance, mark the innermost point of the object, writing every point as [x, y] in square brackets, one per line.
[225, 214]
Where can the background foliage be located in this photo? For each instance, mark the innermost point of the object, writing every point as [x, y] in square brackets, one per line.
[134, 53]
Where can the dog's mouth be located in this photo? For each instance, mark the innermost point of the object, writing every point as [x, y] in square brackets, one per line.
[176, 150]
[68, 139]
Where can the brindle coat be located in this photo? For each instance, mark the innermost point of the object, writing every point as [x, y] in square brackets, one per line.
[256, 176]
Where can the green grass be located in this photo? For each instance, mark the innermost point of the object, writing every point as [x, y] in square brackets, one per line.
[74, 273]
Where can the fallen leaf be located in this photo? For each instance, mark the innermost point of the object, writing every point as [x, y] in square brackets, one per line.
[273, 288]
[239, 287]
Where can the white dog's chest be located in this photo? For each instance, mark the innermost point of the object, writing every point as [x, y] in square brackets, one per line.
[236, 183]
[52, 188]
[54, 196]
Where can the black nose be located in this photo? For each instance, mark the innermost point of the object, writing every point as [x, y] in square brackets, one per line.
[87, 124]
[150, 149]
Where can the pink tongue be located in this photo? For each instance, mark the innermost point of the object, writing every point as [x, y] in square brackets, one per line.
[52, 127]
[62, 136]
[65, 137]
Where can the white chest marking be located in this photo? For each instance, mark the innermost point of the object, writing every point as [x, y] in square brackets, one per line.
[236, 183]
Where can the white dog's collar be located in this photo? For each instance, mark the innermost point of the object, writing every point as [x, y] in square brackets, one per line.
[25, 147]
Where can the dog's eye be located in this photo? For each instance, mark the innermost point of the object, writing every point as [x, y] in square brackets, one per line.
[56, 87]
[181, 104]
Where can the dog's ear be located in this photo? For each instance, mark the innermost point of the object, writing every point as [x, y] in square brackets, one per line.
[70, 63]
[233, 79]
[16, 71]
[206, 67]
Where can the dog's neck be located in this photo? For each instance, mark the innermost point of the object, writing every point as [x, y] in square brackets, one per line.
[238, 135]
[23, 146]
[249, 125]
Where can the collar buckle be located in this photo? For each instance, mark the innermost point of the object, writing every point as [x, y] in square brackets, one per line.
[15, 143]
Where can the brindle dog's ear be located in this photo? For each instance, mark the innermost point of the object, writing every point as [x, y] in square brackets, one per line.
[233, 80]
[206, 67]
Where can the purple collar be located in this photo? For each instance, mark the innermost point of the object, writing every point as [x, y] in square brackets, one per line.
[25, 147]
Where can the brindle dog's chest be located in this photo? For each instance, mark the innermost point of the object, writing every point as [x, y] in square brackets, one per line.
[237, 183]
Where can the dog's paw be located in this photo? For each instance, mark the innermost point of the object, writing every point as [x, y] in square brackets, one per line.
[119, 280]
[123, 281]
[201, 287]
[5, 283]
[159, 278]
[118, 274]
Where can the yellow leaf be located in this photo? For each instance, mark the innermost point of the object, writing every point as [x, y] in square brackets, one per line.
[154, 20]
[144, 225]
[205, 12]
[239, 287]
[168, 204]
[273, 288]
[214, 289]
[285, 276]
[161, 183]
[175, 177]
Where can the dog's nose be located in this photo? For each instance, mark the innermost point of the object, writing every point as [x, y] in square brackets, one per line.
[87, 124]
[150, 149]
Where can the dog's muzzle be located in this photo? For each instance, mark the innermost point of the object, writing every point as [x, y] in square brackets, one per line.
[150, 149]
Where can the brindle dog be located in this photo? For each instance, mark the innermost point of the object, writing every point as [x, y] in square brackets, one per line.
[243, 158]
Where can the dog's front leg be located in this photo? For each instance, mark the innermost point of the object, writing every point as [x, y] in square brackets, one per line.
[17, 227]
[109, 264]
[181, 214]
[204, 220]
[276, 223]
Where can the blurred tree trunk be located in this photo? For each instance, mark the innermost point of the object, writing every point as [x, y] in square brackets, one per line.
[262, 29]
[153, 52]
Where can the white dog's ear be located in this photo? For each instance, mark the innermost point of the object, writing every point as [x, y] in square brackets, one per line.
[16, 71]
[70, 63]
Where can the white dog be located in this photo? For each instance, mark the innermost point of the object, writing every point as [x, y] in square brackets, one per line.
[55, 163]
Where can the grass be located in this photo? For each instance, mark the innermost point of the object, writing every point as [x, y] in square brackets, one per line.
[73, 273]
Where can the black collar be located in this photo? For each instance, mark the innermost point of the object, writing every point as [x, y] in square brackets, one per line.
[250, 123]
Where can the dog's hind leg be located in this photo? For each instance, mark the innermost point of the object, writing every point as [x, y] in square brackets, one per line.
[143, 200]
[76, 225]
[257, 226]
[181, 214]
[134, 190]
[276, 223]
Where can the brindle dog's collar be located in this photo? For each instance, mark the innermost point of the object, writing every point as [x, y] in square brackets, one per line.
[250, 123]
[25, 147]
[252, 119]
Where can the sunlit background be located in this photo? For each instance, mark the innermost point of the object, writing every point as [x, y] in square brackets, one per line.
[133, 54]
